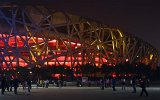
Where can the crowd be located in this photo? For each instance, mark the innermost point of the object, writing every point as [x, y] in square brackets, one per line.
[142, 82]
[12, 83]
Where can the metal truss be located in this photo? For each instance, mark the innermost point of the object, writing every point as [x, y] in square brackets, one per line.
[38, 36]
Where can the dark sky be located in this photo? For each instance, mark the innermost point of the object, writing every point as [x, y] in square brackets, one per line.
[138, 17]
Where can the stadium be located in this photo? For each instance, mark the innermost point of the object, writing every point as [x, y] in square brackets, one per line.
[36, 36]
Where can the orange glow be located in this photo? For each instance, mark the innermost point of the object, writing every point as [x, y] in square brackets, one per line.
[62, 58]
[104, 60]
[56, 75]
[55, 47]
[97, 59]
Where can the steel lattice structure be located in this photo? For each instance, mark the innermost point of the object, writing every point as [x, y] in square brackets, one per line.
[38, 36]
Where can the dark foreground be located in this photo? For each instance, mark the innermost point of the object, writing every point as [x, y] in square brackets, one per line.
[81, 93]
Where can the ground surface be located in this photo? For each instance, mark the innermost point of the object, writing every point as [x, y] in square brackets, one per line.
[81, 93]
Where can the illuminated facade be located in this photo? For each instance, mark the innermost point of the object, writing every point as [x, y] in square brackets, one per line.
[37, 36]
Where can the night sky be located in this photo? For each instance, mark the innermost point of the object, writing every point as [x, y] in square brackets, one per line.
[138, 17]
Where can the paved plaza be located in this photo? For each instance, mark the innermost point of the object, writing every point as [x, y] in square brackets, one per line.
[82, 93]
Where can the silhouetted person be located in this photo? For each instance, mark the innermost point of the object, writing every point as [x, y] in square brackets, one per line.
[78, 82]
[11, 84]
[123, 83]
[143, 86]
[7, 83]
[29, 85]
[3, 84]
[89, 83]
[113, 84]
[61, 83]
[15, 84]
[102, 84]
[134, 84]
[38, 83]
[108, 82]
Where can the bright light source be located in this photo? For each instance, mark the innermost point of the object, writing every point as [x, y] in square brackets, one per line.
[78, 44]
[73, 43]
[127, 60]
[39, 53]
[30, 72]
[151, 56]
[97, 47]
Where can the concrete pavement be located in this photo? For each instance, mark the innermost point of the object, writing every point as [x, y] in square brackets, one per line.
[81, 93]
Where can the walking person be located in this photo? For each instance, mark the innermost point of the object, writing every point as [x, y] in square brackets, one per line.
[3, 84]
[61, 83]
[46, 83]
[7, 83]
[38, 83]
[143, 86]
[24, 84]
[105, 83]
[11, 84]
[114, 84]
[53, 82]
[123, 83]
[108, 82]
[15, 84]
[43, 83]
[29, 84]
[102, 83]
[78, 82]
[134, 84]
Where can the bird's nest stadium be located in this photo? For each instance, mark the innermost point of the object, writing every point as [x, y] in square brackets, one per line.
[37, 36]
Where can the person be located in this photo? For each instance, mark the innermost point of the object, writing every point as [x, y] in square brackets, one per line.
[134, 84]
[7, 83]
[46, 83]
[113, 83]
[58, 83]
[65, 83]
[3, 84]
[11, 84]
[38, 83]
[105, 83]
[108, 82]
[148, 81]
[130, 82]
[53, 82]
[143, 86]
[43, 83]
[61, 83]
[15, 84]
[102, 83]
[89, 83]
[29, 84]
[24, 84]
[123, 83]
[78, 82]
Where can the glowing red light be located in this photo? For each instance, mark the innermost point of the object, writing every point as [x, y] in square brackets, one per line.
[113, 75]
[127, 60]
